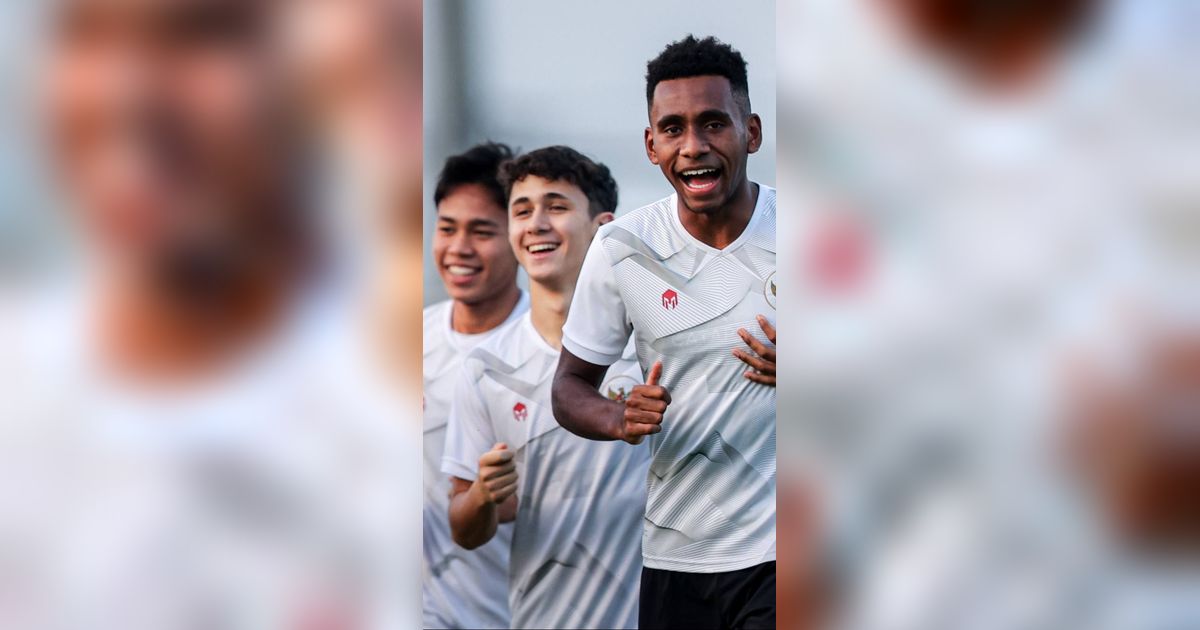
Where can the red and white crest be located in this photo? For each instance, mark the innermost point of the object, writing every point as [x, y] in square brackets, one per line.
[670, 299]
[520, 412]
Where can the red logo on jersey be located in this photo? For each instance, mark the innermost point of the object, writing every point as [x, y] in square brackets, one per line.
[670, 299]
[520, 412]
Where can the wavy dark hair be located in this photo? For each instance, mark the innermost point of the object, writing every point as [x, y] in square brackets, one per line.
[478, 165]
[566, 164]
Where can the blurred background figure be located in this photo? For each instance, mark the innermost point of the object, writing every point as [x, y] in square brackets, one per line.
[985, 192]
[198, 432]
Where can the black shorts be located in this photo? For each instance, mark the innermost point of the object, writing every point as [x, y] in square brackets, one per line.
[736, 599]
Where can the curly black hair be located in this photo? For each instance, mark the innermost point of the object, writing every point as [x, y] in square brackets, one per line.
[566, 164]
[478, 165]
[691, 57]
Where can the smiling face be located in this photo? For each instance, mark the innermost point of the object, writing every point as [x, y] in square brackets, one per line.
[474, 260]
[549, 228]
[701, 139]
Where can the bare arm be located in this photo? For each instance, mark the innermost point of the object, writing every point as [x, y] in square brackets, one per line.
[581, 409]
[478, 507]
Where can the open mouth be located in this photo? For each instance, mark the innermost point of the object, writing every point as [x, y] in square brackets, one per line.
[700, 180]
[541, 248]
[462, 271]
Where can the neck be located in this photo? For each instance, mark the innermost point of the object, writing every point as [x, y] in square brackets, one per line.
[479, 317]
[723, 226]
[548, 306]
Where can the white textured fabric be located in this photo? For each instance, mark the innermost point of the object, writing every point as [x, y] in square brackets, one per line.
[711, 501]
[460, 588]
[576, 553]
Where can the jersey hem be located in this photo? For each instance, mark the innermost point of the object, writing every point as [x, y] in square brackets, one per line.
[589, 355]
[458, 469]
[663, 564]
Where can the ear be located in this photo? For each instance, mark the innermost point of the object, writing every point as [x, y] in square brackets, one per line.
[650, 152]
[602, 218]
[754, 130]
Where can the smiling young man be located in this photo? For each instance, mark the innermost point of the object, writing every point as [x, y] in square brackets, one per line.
[576, 503]
[689, 277]
[464, 589]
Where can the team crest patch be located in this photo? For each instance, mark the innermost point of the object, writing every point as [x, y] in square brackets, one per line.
[618, 388]
[520, 412]
[769, 289]
[670, 299]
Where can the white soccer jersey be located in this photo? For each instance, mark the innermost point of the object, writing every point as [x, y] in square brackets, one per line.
[711, 501]
[576, 555]
[460, 588]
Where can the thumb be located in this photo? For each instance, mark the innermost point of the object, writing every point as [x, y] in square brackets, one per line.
[500, 446]
[655, 373]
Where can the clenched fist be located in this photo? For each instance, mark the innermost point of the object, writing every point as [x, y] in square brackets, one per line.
[645, 406]
[497, 478]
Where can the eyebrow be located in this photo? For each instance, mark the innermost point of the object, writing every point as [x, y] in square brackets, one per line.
[549, 195]
[707, 114]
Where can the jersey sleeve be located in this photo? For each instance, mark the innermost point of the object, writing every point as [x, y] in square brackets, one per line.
[597, 327]
[469, 432]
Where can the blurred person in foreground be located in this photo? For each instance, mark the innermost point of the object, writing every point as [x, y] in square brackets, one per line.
[575, 505]
[1006, 170]
[688, 277]
[465, 588]
[196, 437]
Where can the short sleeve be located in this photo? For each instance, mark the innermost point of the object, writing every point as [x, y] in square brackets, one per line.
[469, 431]
[597, 327]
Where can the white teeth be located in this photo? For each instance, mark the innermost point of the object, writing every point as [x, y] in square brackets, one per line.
[457, 270]
[699, 171]
[544, 247]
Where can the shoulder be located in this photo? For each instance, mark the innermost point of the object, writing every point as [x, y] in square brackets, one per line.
[650, 230]
[434, 316]
[504, 351]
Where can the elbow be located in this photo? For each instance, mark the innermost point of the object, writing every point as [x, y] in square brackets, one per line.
[465, 540]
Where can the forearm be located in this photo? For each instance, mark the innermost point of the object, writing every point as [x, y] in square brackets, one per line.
[582, 410]
[473, 519]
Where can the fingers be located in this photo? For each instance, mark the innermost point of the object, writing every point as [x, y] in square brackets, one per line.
[503, 480]
[498, 455]
[765, 379]
[643, 417]
[640, 430]
[655, 373]
[648, 393]
[759, 363]
[762, 349]
[648, 403]
[767, 328]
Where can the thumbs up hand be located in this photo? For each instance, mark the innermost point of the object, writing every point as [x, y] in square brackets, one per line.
[645, 406]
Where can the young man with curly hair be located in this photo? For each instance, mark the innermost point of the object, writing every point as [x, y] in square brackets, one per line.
[689, 277]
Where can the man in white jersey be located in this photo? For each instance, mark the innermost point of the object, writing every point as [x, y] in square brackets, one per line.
[688, 277]
[461, 588]
[575, 554]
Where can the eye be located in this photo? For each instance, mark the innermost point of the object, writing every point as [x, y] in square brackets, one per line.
[521, 212]
[716, 126]
[484, 233]
[559, 208]
[673, 130]
[447, 230]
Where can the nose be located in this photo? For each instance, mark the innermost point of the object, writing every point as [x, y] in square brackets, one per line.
[460, 245]
[539, 222]
[694, 145]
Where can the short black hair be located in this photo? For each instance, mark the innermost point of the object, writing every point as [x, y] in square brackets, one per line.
[478, 165]
[691, 57]
[564, 163]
